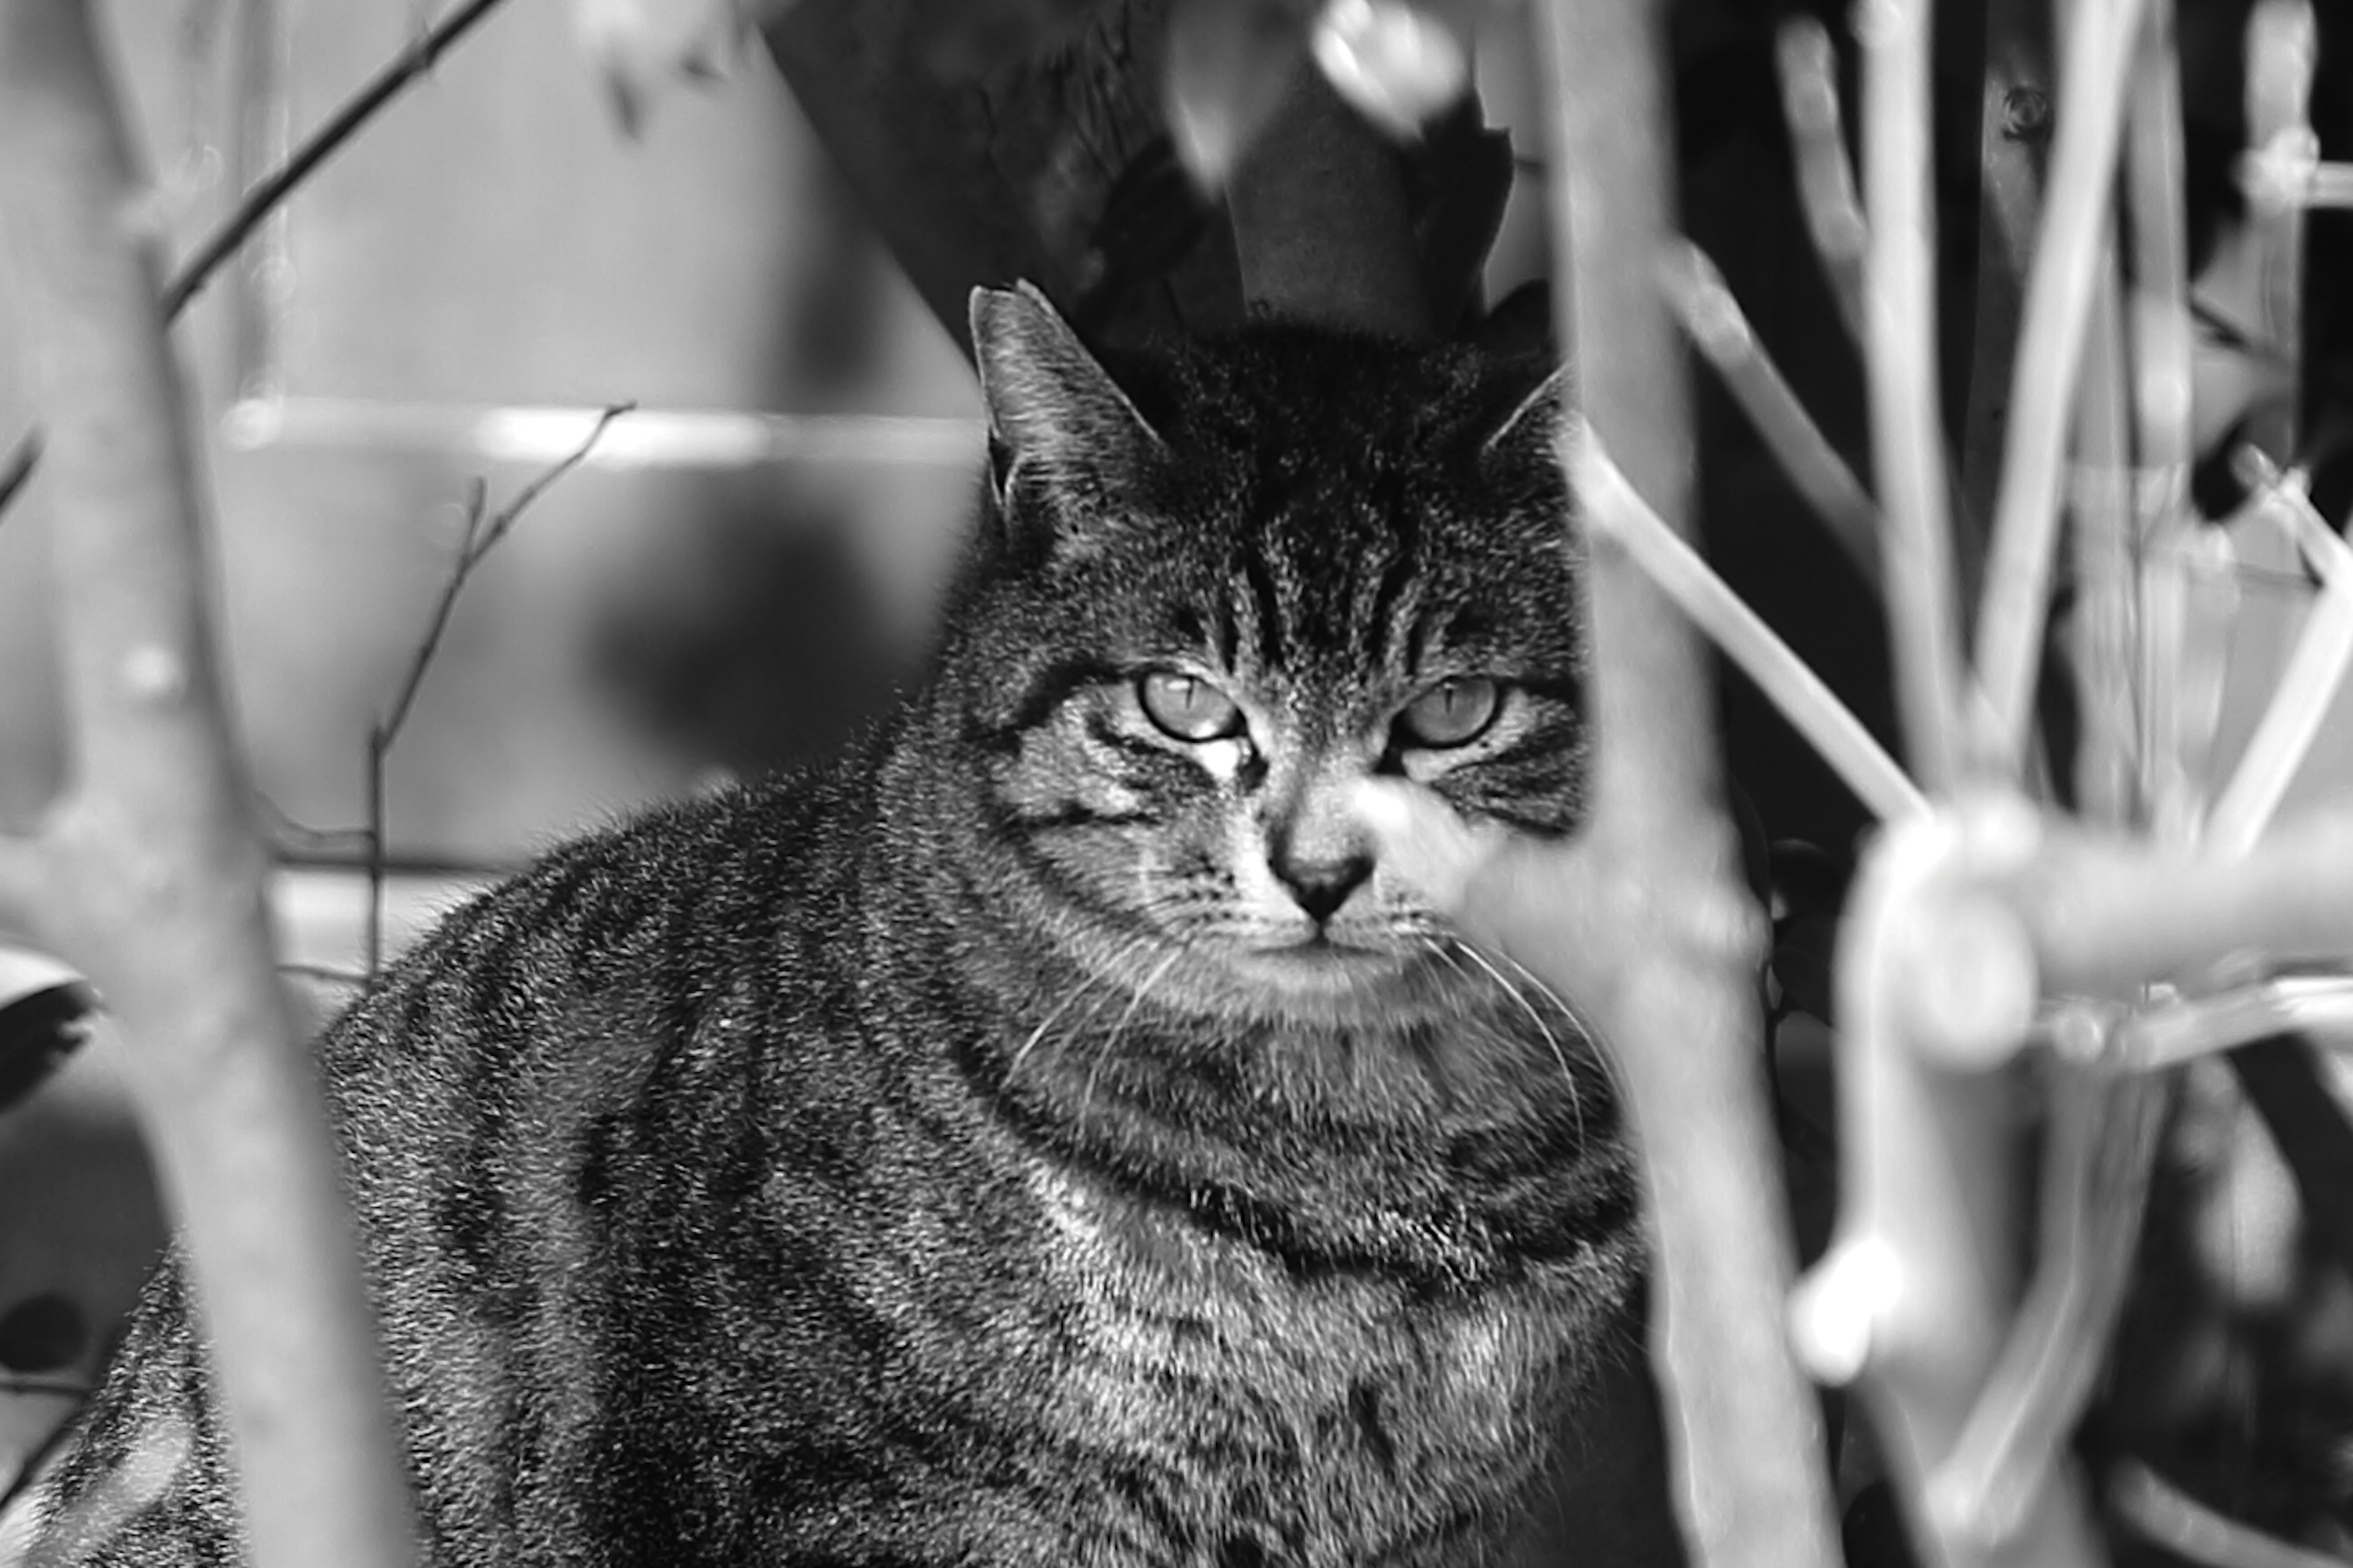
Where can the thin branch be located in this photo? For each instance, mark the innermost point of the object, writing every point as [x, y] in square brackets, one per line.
[2282, 42]
[1900, 351]
[2291, 721]
[2170, 667]
[481, 537]
[2187, 1528]
[2058, 296]
[1713, 319]
[2159, 311]
[423, 52]
[2107, 577]
[2320, 1007]
[1810, 102]
[272, 192]
[1810, 706]
[328, 974]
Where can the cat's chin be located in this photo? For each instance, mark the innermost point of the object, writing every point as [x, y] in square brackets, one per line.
[1318, 982]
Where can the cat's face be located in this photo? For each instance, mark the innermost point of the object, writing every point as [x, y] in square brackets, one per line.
[1289, 563]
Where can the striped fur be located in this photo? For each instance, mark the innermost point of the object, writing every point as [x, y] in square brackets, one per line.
[978, 1153]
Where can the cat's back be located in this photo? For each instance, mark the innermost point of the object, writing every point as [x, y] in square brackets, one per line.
[485, 1090]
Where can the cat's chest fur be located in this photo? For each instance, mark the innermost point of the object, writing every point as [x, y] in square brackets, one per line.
[1187, 1335]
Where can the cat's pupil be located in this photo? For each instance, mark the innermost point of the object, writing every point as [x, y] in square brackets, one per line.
[1451, 714]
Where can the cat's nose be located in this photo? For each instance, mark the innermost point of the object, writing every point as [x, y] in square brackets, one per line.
[1321, 887]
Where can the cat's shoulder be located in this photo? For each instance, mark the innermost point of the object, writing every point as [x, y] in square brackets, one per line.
[680, 887]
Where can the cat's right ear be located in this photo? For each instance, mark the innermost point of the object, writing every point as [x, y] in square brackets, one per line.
[1052, 409]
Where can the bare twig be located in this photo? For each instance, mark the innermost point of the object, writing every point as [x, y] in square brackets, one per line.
[265, 197]
[156, 881]
[2189, 1529]
[1613, 507]
[2324, 648]
[2163, 1037]
[2106, 575]
[481, 537]
[2169, 665]
[2281, 41]
[1712, 318]
[1900, 349]
[2013, 145]
[424, 51]
[2159, 312]
[2058, 296]
[328, 974]
[1809, 102]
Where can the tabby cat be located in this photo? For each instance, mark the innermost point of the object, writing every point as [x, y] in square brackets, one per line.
[1048, 1136]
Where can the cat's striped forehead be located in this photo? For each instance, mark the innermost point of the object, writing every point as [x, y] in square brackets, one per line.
[1321, 508]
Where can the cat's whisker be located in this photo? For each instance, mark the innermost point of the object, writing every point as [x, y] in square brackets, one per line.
[1086, 984]
[1575, 1096]
[1111, 1043]
[1569, 1010]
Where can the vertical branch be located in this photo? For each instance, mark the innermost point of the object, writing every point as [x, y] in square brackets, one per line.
[2104, 577]
[155, 880]
[2281, 45]
[1679, 1013]
[2093, 70]
[2013, 131]
[1900, 351]
[1826, 194]
[2161, 346]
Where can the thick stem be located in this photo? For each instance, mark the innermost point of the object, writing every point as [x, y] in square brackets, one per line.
[158, 878]
[1679, 1012]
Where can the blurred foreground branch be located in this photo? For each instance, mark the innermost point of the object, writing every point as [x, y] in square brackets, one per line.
[147, 873]
[1671, 972]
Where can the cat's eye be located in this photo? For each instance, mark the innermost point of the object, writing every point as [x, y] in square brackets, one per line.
[1451, 714]
[1187, 706]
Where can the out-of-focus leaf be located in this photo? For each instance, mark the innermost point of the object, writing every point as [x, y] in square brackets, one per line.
[1399, 64]
[1229, 64]
[638, 47]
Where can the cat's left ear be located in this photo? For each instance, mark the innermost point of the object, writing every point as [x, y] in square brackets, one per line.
[1536, 417]
[1050, 403]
